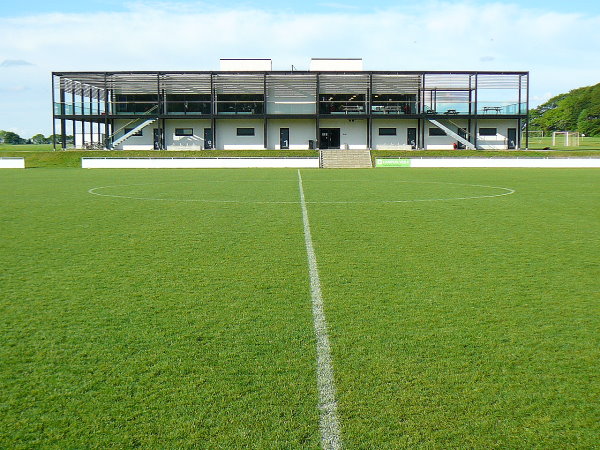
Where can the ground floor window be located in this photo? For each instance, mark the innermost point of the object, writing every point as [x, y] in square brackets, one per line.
[387, 132]
[245, 131]
[184, 131]
[488, 131]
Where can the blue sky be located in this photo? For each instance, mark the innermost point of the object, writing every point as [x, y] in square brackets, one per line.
[77, 6]
[558, 42]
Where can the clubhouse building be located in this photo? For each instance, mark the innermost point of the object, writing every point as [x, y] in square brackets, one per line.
[333, 105]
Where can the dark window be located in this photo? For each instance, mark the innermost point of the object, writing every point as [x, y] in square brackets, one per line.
[245, 131]
[488, 131]
[387, 132]
[137, 133]
[184, 131]
[436, 132]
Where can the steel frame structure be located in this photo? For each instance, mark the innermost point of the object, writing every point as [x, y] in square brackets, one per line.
[92, 98]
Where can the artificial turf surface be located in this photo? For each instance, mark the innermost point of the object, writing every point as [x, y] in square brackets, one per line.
[174, 310]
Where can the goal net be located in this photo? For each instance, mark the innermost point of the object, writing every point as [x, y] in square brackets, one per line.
[566, 138]
[535, 136]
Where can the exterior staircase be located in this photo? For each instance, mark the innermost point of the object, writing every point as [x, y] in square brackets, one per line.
[453, 133]
[127, 135]
[344, 159]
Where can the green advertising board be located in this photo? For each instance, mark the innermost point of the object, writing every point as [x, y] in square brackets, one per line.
[392, 162]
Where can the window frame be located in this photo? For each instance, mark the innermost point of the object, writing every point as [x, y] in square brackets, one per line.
[238, 131]
[495, 133]
[395, 131]
[184, 132]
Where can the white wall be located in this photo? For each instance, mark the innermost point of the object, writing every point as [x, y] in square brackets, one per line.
[352, 131]
[500, 141]
[507, 162]
[301, 131]
[195, 142]
[227, 138]
[12, 163]
[195, 163]
[390, 142]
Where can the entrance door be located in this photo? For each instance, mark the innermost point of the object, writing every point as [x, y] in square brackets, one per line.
[330, 138]
[411, 137]
[512, 138]
[156, 139]
[284, 138]
[208, 139]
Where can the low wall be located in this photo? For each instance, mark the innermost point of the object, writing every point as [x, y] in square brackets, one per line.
[196, 163]
[489, 162]
[12, 163]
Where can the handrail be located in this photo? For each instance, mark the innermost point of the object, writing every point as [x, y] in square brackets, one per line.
[131, 121]
[467, 133]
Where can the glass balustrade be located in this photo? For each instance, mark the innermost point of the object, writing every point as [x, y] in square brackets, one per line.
[289, 107]
[188, 108]
[240, 107]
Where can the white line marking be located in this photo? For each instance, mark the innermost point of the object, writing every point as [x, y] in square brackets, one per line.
[507, 191]
[330, 428]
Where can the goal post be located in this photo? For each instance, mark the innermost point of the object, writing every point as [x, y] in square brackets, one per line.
[570, 138]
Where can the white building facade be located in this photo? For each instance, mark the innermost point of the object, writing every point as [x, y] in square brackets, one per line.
[334, 105]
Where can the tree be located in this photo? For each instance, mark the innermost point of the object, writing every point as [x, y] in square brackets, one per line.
[39, 139]
[13, 138]
[578, 110]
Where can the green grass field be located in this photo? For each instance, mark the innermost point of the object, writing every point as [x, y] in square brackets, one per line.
[172, 308]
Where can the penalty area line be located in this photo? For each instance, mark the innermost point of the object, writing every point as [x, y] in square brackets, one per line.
[328, 422]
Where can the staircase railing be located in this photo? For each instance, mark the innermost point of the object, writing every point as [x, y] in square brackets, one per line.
[111, 136]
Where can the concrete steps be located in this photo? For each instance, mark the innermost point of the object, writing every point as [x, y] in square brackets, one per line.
[344, 159]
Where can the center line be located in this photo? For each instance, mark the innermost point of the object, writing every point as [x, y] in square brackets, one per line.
[329, 425]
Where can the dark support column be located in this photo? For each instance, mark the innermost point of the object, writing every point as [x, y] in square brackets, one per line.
[63, 122]
[82, 105]
[317, 122]
[519, 131]
[106, 113]
[369, 112]
[53, 117]
[163, 135]
[91, 112]
[265, 121]
[476, 129]
[527, 119]
[213, 111]
[98, 111]
[73, 123]
[265, 131]
[158, 113]
[423, 121]
[213, 126]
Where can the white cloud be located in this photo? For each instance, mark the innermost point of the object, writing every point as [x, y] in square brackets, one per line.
[14, 63]
[434, 36]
